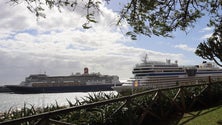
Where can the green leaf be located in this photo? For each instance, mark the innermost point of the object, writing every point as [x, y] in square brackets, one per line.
[85, 26]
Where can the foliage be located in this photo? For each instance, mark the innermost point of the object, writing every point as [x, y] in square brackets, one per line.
[212, 48]
[94, 115]
[148, 108]
[147, 17]
[90, 7]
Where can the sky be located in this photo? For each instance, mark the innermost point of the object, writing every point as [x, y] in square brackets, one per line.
[58, 45]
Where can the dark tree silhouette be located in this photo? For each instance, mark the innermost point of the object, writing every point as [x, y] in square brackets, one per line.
[147, 17]
[212, 48]
[151, 17]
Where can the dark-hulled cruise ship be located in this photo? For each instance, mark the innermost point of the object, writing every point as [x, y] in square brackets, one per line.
[41, 83]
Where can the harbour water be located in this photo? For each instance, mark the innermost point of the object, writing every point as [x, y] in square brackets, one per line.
[17, 101]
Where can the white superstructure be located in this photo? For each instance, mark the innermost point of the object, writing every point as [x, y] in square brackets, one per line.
[156, 74]
[42, 80]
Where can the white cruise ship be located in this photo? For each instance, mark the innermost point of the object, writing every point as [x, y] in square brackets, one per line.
[156, 74]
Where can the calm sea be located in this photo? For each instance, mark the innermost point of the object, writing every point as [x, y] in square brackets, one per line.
[17, 101]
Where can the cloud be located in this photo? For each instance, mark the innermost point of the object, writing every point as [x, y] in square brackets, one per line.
[58, 45]
[208, 32]
[206, 36]
[185, 47]
[206, 29]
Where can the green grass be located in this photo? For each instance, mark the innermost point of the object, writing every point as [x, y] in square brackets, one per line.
[211, 116]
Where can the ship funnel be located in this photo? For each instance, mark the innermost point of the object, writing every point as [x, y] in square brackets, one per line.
[168, 61]
[86, 70]
[176, 61]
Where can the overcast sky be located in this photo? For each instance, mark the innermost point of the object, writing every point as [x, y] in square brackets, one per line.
[58, 45]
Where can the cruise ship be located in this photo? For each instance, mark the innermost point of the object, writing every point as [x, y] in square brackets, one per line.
[41, 83]
[156, 74]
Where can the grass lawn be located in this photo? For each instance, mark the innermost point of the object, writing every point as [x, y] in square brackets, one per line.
[211, 116]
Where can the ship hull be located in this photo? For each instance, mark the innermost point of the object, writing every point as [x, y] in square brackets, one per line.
[3, 89]
[59, 89]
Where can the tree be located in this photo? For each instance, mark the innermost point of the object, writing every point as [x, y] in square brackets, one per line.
[152, 17]
[212, 48]
[147, 17]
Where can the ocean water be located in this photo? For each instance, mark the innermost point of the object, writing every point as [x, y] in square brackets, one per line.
[17, 101]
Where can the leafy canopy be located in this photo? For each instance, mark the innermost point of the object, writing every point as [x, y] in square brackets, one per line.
[212, 48]
[147, 17]
[152, 17]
